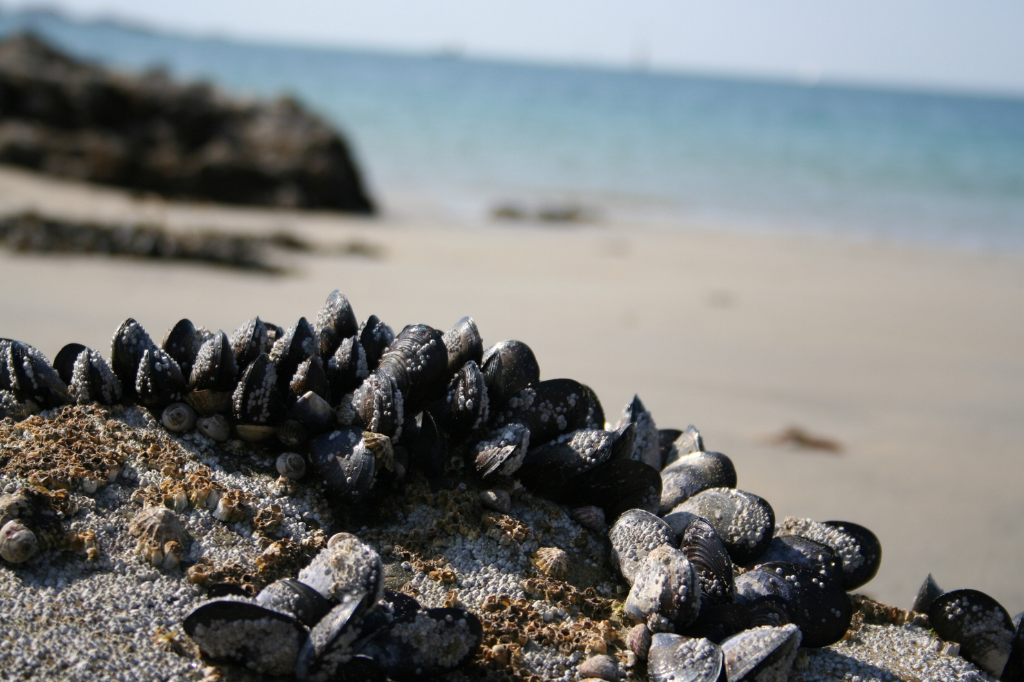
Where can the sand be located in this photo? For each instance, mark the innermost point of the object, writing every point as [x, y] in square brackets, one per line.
[909, 357]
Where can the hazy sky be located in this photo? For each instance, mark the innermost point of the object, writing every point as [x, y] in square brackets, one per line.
[959, 44]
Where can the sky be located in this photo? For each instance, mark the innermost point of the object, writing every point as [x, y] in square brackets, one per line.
[932, 44]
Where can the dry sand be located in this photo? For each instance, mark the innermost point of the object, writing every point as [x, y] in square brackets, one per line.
[911, 358]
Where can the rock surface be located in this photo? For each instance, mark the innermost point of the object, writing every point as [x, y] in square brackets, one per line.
[148, 133]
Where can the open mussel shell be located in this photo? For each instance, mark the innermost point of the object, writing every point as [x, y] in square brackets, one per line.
[552, 408]
[978, 623]
[646, 447]
[633, 536]
[93, 380]
[764, 654]
[744, 521]
[291, 350]
[374, 336]
[685, 442]
[32, 377]
[509, 367]
[214, 368]
[548, 467]
[926, 594]
[797, 549]
[666, 591]
[673, 658]
[329, 646]
[346, 570]
[427, 644]
[334, 321]
[342, 461]
[347, 367]
[255, 398]
[426, 445]
[159, 381]
[249, 341]
[182, 342]
[261, 639]
[64, 362]
[379, 405]
[707, 553]
[310, 377]
[857, 547]
[126, 349]
[466, 405]
[300, 600]
[617, 486]
[693, 473]
[819, 607]
[464, 344]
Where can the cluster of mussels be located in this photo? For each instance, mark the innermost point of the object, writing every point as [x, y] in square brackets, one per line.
[718, 589]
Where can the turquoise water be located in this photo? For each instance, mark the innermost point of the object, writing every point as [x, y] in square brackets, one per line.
[458, 136]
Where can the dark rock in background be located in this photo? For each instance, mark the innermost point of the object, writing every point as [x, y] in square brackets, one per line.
[149, 133]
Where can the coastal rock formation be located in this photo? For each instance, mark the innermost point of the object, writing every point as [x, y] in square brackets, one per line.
[149, 133]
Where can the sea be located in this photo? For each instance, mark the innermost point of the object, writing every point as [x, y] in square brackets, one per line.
[458, 138]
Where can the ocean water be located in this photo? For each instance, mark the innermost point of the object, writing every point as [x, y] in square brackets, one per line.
[454, 138]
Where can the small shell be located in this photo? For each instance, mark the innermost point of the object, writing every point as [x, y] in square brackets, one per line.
[291, 465]
[601, 667]
[639, 640]
[17, 543]
[496, 499]
[554, 562]
[215, 427]
[590, 517]
[178, 417]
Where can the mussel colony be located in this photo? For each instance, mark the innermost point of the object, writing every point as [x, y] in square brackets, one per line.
[716, 588]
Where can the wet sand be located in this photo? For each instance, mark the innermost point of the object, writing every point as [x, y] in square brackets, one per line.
[909, 357]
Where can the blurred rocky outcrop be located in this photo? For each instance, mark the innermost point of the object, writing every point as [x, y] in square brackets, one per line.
[149, 133]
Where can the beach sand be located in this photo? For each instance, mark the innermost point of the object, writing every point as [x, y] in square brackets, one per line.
[909, 357]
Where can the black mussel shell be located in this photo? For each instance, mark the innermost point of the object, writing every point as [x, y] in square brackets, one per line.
[249, 341]
[312, 412]
[768, 610]
[503, 450]
[64, 363]
[250, 635]
[857, 547]
[707, 553]
[159, 381]
[400, 604]
[624, 445]
[764, 653]
[379, 405]
[347, 368]
[126, 349]
[347, 570]
[552, 408]
[291, 350]
[617, 486]
[666, 591]
[93, 380]
[5, 376]
[1014, 670]
[329, 646]
[32, 377]
[466, 405]
[344, 463]
[274, 332]
[427, 643]
[375, 337]
[300, 600]
[548, 468]
[310, 376]
[418, 361]
[819, 607]
[673, 658]
[927, 593]
[718, 621]
[687, 442]
[633, 536]
[255, 400]
[693, 473]
[665, 439]
[214, 368]
[182, 342]
[425, 443]
[463, 343]
[646, 447]
[334, 321]
[509, 367]
[797, 549]
[978, 623]
[744, 521]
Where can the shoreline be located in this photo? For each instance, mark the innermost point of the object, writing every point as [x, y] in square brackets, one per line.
[906, 355]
